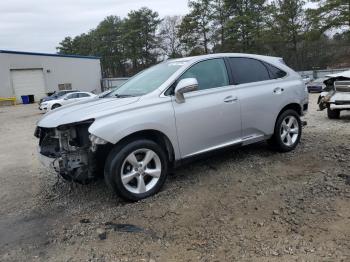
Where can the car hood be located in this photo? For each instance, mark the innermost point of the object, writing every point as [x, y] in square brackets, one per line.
[52, 100]
[81, 111]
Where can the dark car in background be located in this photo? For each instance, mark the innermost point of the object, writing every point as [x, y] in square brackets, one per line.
[316, 85]
[56, 95]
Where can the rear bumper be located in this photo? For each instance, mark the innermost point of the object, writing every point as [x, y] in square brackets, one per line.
[340, 107]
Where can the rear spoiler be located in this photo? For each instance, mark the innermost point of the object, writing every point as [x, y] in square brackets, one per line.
[281, 60]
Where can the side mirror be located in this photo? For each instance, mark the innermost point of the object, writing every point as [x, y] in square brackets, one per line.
[185, 86]
[66, 98]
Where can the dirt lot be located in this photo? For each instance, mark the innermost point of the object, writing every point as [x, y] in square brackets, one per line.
[251, 204]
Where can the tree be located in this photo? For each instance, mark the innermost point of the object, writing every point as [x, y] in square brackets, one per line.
[195, 30]
[288, 29]
[219, 16]
[168, 34]
[108, 43]
[305, 38]
[140, 38]
[331, 14]
[119, 42]
[245, 24]
[66, 46]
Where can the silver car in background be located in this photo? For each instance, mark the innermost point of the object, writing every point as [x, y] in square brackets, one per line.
[174, 111]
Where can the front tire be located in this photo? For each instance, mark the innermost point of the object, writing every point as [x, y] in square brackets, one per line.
[287, 131]
[333, 114]
[136, 170]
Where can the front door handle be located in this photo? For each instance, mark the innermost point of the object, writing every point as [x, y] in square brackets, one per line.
[278, 90]
[230, 99]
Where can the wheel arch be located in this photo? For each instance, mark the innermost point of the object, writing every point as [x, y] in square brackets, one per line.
[294, 106]
[154, 135]
[56, 104]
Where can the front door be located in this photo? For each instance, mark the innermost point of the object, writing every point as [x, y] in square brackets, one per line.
[210, 117]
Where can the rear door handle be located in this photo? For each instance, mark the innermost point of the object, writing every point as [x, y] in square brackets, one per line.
[230, 99]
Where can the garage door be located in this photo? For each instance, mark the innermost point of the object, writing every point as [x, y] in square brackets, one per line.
[28, 82]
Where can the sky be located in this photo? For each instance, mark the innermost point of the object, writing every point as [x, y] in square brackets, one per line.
[39, 25]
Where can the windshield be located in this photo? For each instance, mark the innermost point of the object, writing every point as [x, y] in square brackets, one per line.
[59, 93]
[105, 93]
[147, 80]
[64, 96]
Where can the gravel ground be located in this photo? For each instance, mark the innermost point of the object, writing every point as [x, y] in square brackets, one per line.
[251, 204]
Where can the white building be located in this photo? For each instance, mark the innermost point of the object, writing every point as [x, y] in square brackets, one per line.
[25, 73]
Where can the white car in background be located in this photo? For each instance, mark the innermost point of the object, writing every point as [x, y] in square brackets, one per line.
[336, 95]
[66, 99]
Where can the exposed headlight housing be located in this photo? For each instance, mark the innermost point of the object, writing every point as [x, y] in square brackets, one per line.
[97, 140]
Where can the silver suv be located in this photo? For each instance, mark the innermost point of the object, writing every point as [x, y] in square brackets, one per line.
[170, 112]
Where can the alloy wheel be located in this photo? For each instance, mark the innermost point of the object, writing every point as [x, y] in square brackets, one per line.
[141, 171]
[289, 131]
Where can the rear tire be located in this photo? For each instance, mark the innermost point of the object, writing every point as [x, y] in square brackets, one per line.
[287, 133]
[136, 169]
[54, 106]
[333, 114]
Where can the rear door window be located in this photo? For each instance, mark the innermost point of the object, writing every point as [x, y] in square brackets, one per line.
[83, 95]
[71, 96]
[248, 70]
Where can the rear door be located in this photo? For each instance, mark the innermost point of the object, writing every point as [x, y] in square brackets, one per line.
[210, 117]
[261, 91]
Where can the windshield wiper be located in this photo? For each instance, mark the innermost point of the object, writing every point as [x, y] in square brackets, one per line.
[123, 96]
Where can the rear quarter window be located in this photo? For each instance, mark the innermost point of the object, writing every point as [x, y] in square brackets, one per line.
[274, 71]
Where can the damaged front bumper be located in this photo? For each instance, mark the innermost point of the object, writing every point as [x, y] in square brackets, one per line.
[50, 163]
[68, 151]
[337, 98]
